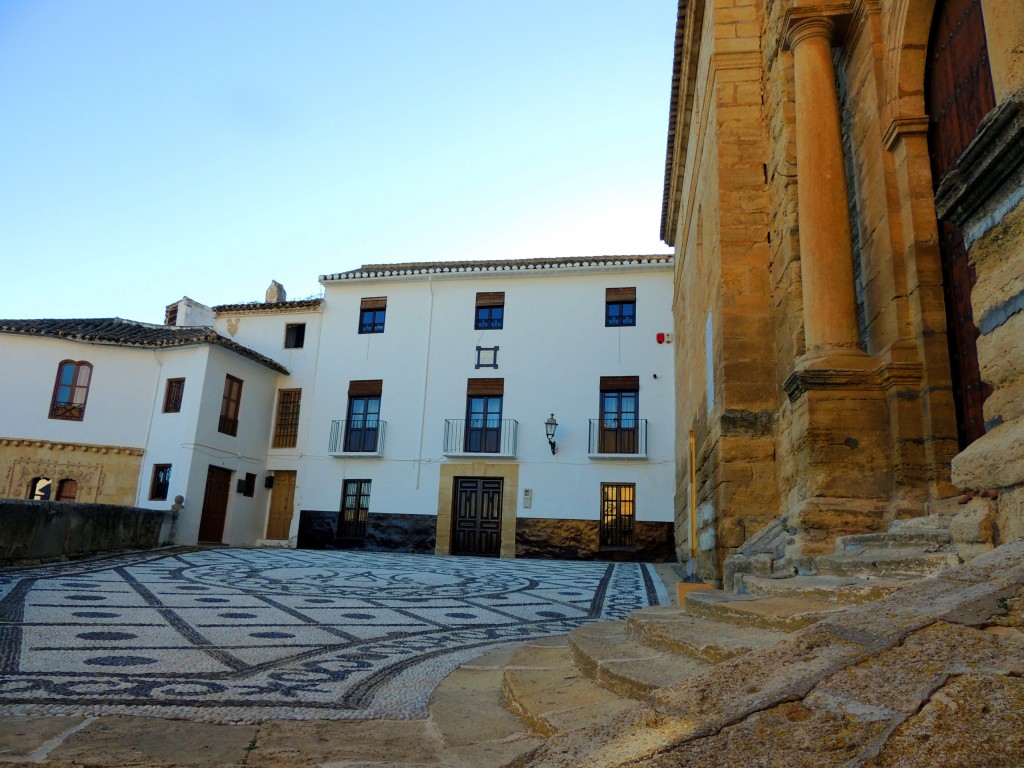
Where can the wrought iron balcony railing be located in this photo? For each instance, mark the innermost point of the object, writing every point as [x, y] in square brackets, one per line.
[357, 437]
[618, 437]
[496, 437]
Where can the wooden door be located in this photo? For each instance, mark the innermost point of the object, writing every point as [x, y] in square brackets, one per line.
[958, 94]
[476, 516]
[282, 501]
[215, 505]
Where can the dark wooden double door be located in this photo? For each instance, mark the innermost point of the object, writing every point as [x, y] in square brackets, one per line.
[959, 94]
[476, 516]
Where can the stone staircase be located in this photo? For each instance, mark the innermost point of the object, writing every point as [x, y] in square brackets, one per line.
[601, 669]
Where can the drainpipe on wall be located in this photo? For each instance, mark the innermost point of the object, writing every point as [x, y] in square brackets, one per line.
[691, 566]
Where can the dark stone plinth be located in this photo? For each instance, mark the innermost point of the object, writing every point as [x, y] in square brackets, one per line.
[401, 533]
[318, 529]
[581, 540]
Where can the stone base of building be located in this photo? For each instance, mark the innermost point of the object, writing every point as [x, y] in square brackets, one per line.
[581, 540]
[318, 529]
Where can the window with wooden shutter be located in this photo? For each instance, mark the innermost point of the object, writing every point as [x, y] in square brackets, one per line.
[490, 311]
[372, 313]
[619, 307]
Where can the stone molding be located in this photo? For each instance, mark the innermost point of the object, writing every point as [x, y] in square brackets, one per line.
[72, 447]
[904, 126]
[838, 15]
[880, 378]
[989, 171]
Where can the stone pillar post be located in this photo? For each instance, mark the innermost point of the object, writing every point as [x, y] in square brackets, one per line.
[826, 250]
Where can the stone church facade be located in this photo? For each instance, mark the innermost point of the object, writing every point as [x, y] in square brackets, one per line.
[844, 346]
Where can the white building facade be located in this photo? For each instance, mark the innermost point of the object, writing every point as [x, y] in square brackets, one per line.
[408, 410]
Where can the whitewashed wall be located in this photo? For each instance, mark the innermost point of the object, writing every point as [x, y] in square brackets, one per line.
[553, 350]
[121, 393]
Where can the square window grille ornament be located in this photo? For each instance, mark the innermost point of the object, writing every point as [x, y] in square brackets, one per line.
[487, 357]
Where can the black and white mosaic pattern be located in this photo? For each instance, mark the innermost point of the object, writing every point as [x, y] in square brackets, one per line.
[246, 635]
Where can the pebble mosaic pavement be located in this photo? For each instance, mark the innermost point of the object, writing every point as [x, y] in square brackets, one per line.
[244, 635]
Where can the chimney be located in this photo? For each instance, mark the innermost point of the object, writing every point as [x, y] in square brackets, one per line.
[275, 293]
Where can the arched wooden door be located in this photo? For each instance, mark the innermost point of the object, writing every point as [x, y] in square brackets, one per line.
[958, 94]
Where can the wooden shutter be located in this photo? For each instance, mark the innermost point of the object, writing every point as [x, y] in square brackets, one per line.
[620, 294]
[620, 383]
[374, 302]
[485, 387]
[493, 299]
[366, 388]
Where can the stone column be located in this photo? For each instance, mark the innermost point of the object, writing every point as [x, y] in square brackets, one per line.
[826, 250]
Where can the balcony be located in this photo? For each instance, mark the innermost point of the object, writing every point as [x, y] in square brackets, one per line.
[476, 437]
[617, 438]
[357, 439]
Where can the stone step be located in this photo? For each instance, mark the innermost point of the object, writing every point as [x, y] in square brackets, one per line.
[541, 685]
[917, 538]
[607, 654]
[783, 614]
[849, 590]
[937, 521]
[885, 563]
[671, 629]
[945, 507]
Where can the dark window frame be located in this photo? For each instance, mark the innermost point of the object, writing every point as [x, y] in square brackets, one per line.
[230, 406]
[483, 423]
[362, 424]
[70, 394]
[355, 509]
[489, 318]
[294, 335]
[286, 419]
[160, 482]
[616, 316]
[618, 515]
[174, 393]
[620, 421]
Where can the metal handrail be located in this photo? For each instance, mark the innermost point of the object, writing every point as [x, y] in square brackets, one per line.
[483, 435]
[365, 437]
[617, 436]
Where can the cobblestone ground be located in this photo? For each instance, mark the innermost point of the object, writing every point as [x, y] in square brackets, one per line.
[245, 635]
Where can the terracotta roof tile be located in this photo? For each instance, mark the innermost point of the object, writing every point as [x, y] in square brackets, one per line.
[254, 307]
[494, 265]
[115, 331]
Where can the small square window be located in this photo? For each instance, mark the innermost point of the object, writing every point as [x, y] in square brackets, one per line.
[294, 335]
[160, 483]
[490, 311]
[620, 307]
[173, 395]
[372, 312]
[619, 313]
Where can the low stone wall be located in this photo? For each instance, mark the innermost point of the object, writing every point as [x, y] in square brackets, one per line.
[53, 530]
[318, 529]
[581, 540]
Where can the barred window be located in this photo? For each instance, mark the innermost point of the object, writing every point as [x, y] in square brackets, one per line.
[286, 427]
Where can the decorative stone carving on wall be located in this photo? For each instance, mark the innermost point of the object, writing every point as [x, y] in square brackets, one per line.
[88, 465]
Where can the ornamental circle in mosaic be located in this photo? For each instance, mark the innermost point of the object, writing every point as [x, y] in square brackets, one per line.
[383, 583]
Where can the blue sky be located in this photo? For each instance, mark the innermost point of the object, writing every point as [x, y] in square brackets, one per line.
[152, 150]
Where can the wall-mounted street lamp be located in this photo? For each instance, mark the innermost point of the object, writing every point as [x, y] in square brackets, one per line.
[549, 429]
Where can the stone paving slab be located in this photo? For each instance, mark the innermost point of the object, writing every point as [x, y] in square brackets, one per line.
[248, 635]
